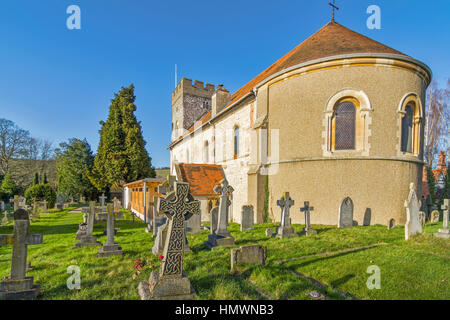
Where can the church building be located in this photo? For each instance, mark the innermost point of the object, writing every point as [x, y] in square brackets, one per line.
[339, 117]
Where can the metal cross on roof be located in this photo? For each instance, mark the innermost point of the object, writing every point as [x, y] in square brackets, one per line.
[333, 5]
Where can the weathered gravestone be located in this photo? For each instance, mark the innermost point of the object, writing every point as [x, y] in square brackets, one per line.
[412, 225]
[286, 230]
[269, 232]
[35, 214]
[247, 218]
[110, 248]
[367, 217]
[2, 205]
[5, 219]
[345, 219]
[391, 224]
[434, 217]
[253, 254]
[117, 205]
[221, 236]
[18, 286]
[170, 282]
[308, 229]
[44, 206]
[89, 239]
[422, 218]
[193, 224]
[161, 235]
[214, 218]
[444, 232]
[16, 203]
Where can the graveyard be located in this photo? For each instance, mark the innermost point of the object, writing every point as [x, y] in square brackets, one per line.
[332, 262]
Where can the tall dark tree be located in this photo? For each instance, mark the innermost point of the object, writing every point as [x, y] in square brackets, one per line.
[121, 154]
[36, 179]
[74, 162]
[8, 187]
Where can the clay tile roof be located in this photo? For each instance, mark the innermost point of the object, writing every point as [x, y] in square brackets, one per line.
[201, 177]
[331, 40]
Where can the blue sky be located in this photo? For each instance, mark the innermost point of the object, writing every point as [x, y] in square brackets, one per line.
[58, 83]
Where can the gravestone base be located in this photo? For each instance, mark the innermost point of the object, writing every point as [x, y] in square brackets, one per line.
[286, 232]
[88, 241]
[215, 241]
[109, 251]
[307, 232]
[22, 289]
[167, 288]
[443, 233]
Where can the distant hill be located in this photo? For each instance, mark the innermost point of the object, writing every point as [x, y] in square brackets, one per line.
[162, 173]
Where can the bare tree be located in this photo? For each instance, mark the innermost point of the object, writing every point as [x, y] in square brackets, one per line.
[436, 122]
[13, 143]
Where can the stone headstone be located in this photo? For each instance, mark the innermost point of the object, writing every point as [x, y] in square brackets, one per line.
[412, 225]
[18, 286]
[89, 239]
[285, 230]
[391, 224]
[193, 224]
[170, 282]
[214, 216]
[367, 217]
[252, 254]
[5, 219]
[221, 236]
[308, 229]
[422, 218]
[102, 199]
[117, 205]
[345, 219]
[110, 248]
[445, 231]
[161, 235]
[269, 232]
[435, 215]
[247, 218]
[2, 205]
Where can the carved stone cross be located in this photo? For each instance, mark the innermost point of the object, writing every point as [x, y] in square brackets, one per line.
[19, 240]
[307, 210]
[177, 206]
[225, 190]
[102, 201]
[285, 203]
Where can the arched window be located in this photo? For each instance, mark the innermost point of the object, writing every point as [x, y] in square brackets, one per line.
[206, 151]
[407, 129]
[236, 142]
[345, 126]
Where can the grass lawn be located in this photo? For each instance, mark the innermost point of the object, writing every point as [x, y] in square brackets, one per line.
[333, 262]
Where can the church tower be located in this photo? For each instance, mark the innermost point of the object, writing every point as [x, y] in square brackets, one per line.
[189, 102]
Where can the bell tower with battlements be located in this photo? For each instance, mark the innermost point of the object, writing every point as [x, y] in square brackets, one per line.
[189, 102]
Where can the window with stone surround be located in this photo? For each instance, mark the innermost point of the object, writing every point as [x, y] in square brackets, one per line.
[410, 124]
[206, 151]
[236, 142]
[347, 121]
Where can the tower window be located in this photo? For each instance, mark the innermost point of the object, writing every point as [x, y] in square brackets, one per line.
[236, 142]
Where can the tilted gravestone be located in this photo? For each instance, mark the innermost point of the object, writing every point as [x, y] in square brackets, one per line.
[253, 254]
[444, 232]
[412, 225]
[18, 286]
[308, 229]
[285, 230]
[170, 282]
[435, 216]
[345, 219]
[247, 218]
[89, 239]
[110, 248]
[221, 236]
